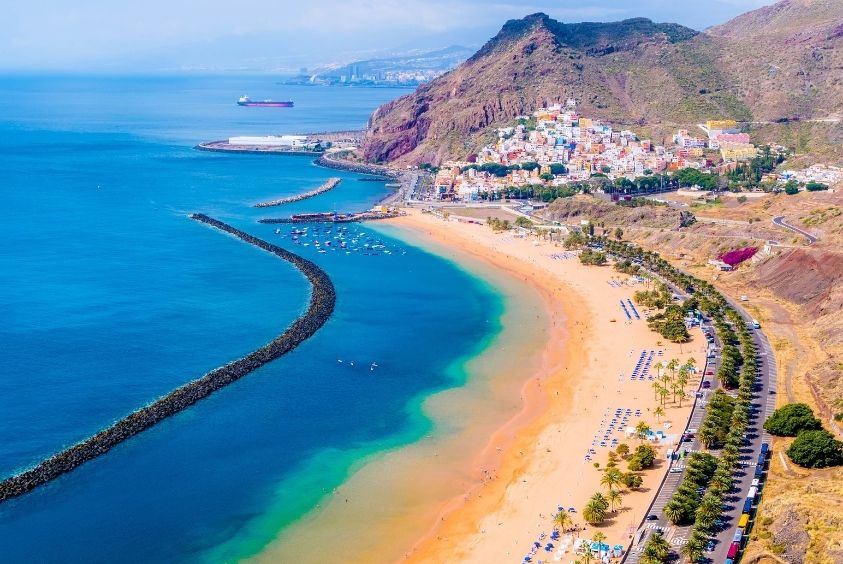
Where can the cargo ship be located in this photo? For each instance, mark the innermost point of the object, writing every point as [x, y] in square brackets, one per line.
[245, 101]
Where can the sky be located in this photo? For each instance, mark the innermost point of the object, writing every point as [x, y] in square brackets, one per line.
[278, 35]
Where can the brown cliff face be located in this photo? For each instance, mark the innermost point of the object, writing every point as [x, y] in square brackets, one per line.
[628, 72]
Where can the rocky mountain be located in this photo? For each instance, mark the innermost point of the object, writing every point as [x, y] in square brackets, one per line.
[783, 61]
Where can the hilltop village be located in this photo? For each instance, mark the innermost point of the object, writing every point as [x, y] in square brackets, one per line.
[555, 148]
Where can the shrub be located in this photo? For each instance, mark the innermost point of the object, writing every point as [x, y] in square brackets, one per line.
[643, 457]
[632, 480]
[789, 420]
[816, 186]
[593, 257]
[497, 224]
[816, 449]
[575, 240]
[522, 221]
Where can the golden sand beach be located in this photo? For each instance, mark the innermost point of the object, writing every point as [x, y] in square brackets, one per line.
[545, 467]
[520, 431]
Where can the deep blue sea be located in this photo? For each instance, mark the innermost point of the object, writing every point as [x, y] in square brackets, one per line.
[110, 297]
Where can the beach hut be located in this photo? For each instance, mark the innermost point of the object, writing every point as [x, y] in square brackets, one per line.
[600, 547]
[617, 551]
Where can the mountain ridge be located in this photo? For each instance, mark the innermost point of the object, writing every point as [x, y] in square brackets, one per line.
[632, 71]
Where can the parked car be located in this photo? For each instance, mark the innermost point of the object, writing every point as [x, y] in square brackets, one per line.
[652, 517]
[706, 384]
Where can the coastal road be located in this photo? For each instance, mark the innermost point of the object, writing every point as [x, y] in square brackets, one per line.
[779, 220]
[763, 404]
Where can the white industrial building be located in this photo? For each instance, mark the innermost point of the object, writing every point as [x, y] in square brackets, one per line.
[295, 141]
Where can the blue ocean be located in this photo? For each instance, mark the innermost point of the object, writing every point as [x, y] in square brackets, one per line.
[110, 297]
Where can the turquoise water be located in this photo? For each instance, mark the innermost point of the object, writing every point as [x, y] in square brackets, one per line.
[111, 297]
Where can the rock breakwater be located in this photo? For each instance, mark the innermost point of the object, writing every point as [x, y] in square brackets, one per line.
[320, 308]
[361, 168]
[329, 184]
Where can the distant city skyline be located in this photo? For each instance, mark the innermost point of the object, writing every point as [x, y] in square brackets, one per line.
[263, 35]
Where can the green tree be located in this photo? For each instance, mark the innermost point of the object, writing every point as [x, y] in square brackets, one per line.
[593, 513]
[595, 258]
[642, 430]
[615, 498]
[674, 512]
[575, 240]
[791, 187]
[618, 233]
[694, 550]
[657, 549]
[816, 449]
[790, 419]
[611, 478]
[663, 393]
[522, 221]
[563, 520]
[632, 480]
[622, 450]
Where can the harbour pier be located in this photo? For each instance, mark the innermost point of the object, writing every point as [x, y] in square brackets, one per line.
[329, 184]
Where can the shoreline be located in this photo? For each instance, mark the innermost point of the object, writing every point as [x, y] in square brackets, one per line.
[535, 401]
[488, 488]
[460, 532]
[402, 487]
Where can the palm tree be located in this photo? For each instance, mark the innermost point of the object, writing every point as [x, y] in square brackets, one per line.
[675, 389]
[693, 550]
[672, 365]
[614, 498]
[663, 392]
[593, 513]
[656, 549]
[656, 386]
[563, 520]
[674, 512]
[611, 478]
[682, 395]
[658, 366]
[658, 412]
[641, 429]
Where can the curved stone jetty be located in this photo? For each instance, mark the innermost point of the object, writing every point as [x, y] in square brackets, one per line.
[329, 184]
[320, 308]
[361, 168]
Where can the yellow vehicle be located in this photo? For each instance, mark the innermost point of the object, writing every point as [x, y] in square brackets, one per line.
[743, 522]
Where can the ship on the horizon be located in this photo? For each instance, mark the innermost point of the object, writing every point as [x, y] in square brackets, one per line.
[245, 101]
